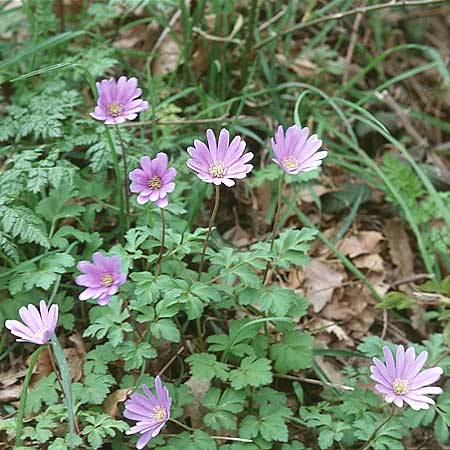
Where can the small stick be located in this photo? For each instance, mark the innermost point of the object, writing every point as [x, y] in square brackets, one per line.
[351, 12]
[351, 47]
[313, 381]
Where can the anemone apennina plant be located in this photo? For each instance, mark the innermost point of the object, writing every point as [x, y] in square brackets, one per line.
[295, 152]
[219, 162]
[119, 101]
[153, 181]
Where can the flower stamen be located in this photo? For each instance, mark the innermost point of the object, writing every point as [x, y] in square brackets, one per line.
[217, 169]
[290, 162]
[114, 109]
[159, 413]
[400, 387]
[154, 182]
[107, 279]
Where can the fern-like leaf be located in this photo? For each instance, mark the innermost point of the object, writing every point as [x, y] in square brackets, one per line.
[22, 222]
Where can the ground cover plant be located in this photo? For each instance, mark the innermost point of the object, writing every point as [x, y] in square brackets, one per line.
[224, 225]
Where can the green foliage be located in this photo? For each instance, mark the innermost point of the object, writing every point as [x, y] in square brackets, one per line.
[233, 348]
[206, 366]
[294, 352]
[20, 221]
[98, 426]
[271, 424]
[224, 407]
[252, 372]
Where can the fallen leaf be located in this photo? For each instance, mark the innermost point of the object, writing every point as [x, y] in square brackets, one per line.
[10, 394]
[302, 67]
[10, 377]
[168, 57]
[365, 242]
[320, 282]
[194, 409]
[399, 246]
[110, 405]
[373, 262]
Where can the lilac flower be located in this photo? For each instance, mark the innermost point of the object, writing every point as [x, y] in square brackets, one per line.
[400, 381]
[150, 413]
[295, 152]
[102, 278]
[220, 162]
[153, 180]
[118, 100]
[39, 325]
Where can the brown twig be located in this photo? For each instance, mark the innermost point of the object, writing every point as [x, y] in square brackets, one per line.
[184, 121]
[351, 47]
[402, 115]
[351, 12]
[313, 381]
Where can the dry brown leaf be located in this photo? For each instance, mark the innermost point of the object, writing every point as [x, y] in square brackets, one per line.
[194, 409]
[332, 328]
[110, 405]
[11, 393]
[332, 371]
[10, 377]
[320, 282]
[399, 246]
[373, 262]
[306, 196]
[365, 242]
[302, 67]
[168, 57]
[43, 366]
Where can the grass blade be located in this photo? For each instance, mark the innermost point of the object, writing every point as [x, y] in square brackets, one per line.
[67, 386]
[23, 397]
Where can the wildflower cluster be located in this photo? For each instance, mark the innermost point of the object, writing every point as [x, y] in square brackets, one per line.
[219, 160]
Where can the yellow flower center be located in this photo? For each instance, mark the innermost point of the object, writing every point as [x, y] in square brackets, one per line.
[400, 386]
[159, 413]
[114, 109]
[107, 279]
[217, 169]
[154, 182]
[290, 162]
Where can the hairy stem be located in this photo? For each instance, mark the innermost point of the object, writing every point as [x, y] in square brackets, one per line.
[213, 217]
[275, 224]
[163, 235]
[52, 361]
[125, 171]
[181, 424]
[122, 217]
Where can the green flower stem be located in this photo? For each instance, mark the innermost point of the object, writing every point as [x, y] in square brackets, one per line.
[202, 258]
[123, 219]
[67, 387]
[275, 224]
[181, 424]
[163, 235]
[378, 428]
[213, 217]
[125, 171]
[52, 361]
[23, 396]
